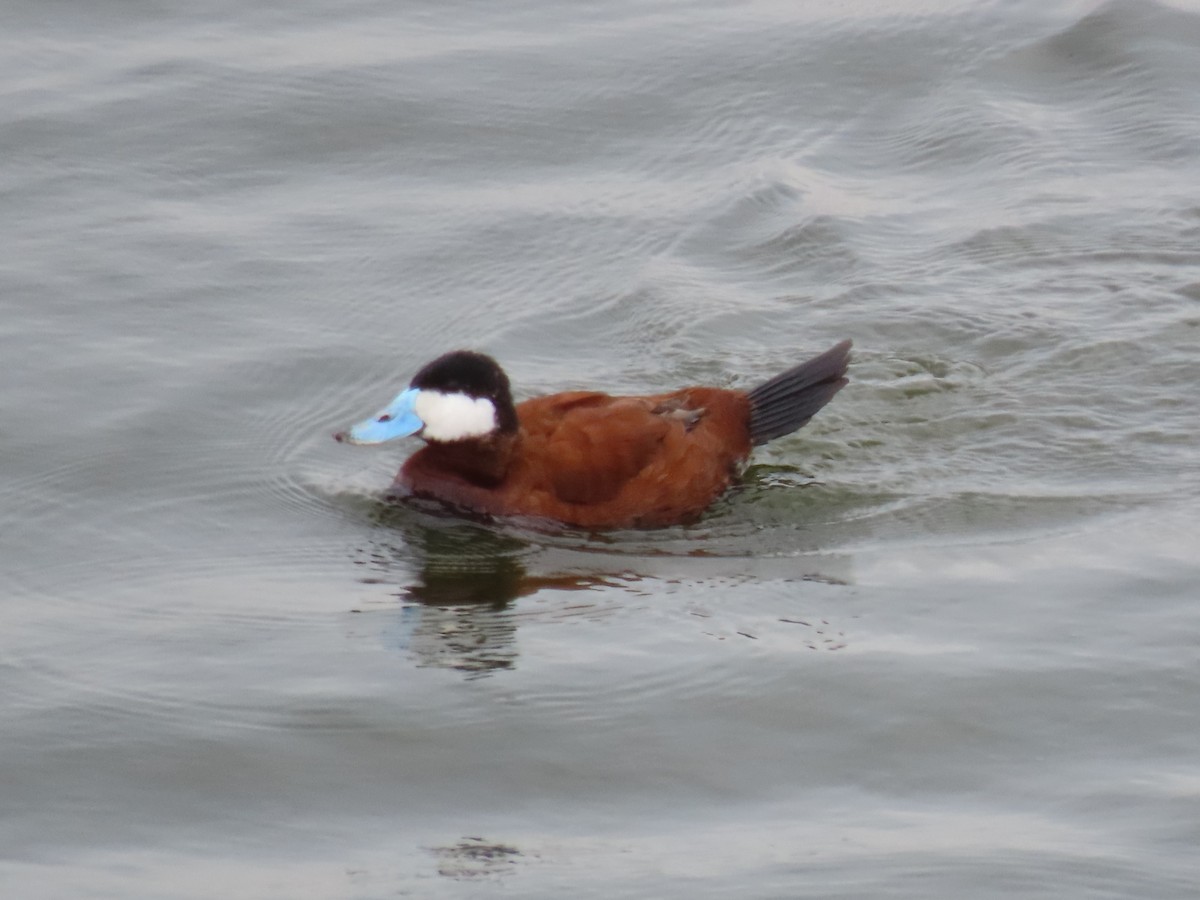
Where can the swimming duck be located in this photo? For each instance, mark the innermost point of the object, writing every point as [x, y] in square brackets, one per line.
[586, 458]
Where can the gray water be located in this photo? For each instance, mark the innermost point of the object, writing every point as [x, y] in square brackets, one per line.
[943, 643]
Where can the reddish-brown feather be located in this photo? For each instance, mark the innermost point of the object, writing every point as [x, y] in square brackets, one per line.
[592, 460]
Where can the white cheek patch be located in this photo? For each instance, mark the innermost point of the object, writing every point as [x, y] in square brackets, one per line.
[453, 417]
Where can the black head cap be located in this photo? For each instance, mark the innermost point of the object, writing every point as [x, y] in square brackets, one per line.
[473, 374]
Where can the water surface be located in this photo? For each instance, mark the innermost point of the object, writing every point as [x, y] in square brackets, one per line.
[941, 643]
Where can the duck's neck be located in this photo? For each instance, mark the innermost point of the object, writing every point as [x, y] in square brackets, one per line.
[483, 461]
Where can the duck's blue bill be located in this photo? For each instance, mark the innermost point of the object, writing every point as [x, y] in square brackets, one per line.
[396, 420]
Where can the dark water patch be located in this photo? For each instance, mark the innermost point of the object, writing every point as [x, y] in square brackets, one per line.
[474, 857]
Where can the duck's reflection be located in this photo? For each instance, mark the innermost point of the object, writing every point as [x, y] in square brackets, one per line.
[457, 612]
[458, 579]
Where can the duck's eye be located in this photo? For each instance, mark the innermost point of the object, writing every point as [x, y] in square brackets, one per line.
[384, 418]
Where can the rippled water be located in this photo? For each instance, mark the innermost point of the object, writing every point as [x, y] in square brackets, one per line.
[941, 643]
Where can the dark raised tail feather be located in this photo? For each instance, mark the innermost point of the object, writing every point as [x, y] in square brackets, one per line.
[790, 399]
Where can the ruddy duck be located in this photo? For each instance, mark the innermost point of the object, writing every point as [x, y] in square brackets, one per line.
[586, 458]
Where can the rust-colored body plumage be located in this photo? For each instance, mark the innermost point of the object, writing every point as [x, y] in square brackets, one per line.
[596, 461]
